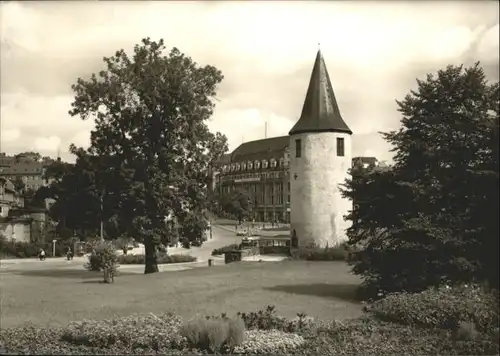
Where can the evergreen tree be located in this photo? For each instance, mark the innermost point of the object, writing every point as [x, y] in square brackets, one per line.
[433, 216]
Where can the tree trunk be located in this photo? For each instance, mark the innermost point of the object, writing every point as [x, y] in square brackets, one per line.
[106, 276]
[151, 264]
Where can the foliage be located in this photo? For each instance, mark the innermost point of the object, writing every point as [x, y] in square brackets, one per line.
[267, 333]
[423, 222]
[135, 332]
[19, 185]
[94, 263]
[237, 204]
[214, 334]
[163, 258]
[104, 259]
[151, 136]
[194, 226]
[336, 253]
[32, 200]
[122, 243]
[19, 249]
[76, 198]
[367, 336]
[444, 307]
[269, 342]
[224, 249]
[267, 319]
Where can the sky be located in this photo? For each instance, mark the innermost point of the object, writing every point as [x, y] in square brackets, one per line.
[374, 52]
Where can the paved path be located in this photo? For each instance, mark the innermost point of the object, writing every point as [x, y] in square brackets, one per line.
[220, 237]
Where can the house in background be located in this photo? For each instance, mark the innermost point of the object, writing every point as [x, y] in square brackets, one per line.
[17, 222]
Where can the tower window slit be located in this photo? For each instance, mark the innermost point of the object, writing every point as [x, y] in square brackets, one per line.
[298, 148]
[340, 147]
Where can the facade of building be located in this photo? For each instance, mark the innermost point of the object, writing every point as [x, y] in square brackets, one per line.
[31, 172]
[274, 177]
[16, 222]
[260, 168]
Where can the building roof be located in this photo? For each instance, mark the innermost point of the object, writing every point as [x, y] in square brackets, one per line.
[23, 168]
[224, 159]
[320, 112]
[261, 149]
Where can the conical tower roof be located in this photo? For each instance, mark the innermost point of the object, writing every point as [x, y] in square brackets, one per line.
[320, 112]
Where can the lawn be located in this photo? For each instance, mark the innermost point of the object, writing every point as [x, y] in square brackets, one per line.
[55, 297]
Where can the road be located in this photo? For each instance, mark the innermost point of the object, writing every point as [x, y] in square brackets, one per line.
[221, 236]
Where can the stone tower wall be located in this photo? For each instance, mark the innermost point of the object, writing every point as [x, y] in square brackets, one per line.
[316, 204]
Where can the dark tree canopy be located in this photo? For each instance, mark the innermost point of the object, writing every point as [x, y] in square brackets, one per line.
[236, 203]
[433, 216]
[151, 136]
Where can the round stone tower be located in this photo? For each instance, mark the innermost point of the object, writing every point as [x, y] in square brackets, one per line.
[320, 157]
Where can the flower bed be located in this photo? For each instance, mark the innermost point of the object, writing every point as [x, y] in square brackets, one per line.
[265, 332]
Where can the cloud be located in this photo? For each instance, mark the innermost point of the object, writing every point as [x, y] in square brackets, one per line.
[373, 50]
[10, 135]
[47, 144]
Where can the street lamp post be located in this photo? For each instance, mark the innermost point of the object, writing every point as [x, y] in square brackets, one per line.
[102, 217]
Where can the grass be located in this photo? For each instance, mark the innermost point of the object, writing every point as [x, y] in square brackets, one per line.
[54, 298]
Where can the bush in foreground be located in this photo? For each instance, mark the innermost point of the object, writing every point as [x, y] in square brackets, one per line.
[105, 259]
[402, 326]
[214, 334]
[444, 307]
[133, 332]
[223, 250]
[162, 258]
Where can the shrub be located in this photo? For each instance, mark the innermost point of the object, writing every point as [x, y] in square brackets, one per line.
[267, 319]
[162, 258]
[185, 243]
[336, 253]
[214, 334]
[133, 332]
[18, 249]
[443, 307]
[94, 263]
[104, 259]
[223, 250]
[368, 336]
[269, 342]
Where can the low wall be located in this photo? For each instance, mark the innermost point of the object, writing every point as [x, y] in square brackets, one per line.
[267, 250]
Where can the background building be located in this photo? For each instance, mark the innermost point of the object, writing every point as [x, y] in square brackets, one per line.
[261, 168]
[26, 168]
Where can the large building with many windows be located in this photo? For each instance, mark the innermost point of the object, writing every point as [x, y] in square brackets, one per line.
[261, 168]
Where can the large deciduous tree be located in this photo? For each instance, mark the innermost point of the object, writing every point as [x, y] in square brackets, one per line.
[433, 217]
[150, 112]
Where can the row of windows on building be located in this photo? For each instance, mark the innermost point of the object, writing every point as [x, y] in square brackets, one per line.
[262, 194]
[340, 147]
[264, 164]
[255, 176]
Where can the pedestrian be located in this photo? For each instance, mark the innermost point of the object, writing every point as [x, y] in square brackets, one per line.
[42, 254]
[69, 253]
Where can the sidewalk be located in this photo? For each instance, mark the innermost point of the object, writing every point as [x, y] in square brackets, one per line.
[11, 261]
